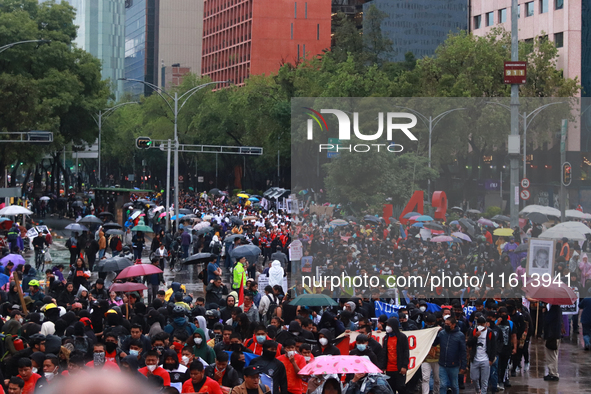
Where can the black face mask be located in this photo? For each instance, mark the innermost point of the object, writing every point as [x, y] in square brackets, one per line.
[238, 365]
[268, 354]
[169, 367]
[235, 347]
[491, 322]
[448, 328]
[504, 317]
[110, 347]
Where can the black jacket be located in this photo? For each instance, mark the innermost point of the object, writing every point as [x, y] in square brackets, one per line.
[230, 378]
[367, 352]
[402, 352]
[553, 323]
[276, 370]
[491, 344]
[330, 349]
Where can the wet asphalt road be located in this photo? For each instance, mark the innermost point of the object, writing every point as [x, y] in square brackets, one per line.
[574, 362]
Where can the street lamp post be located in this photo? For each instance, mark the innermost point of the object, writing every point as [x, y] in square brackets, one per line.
[99, 121]
[430, 123]
[8, 46]
[175, 111]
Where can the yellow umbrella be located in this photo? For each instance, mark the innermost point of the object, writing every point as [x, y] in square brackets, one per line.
[503, 232]
[243, 195]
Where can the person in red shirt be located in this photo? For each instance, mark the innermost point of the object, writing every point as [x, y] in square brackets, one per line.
[293, 362]
[199, 383]
[25, 372]
[255, 344]
[99, 359]
[394, 357]
[152, 368]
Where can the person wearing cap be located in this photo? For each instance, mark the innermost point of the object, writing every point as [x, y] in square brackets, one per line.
[199, 383]
[251, 383]
[99, 292]
[482, 347]
[34, 292]
[393, 359]
[271, 366]
[215, 291]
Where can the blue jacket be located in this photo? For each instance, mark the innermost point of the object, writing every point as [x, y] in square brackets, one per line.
[585, 305]
[452, 348]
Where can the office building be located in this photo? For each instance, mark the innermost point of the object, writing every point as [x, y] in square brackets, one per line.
[244, 37]
[420, 26]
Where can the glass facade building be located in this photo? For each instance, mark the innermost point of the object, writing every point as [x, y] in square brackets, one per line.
[141, 45]
[419, 26]
[101, 32]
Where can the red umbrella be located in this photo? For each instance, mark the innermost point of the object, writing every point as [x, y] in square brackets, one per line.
[555, 294]
[127, 287]
[138, 270]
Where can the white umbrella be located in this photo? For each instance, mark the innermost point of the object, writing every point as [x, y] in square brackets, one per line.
[563, 230]
[573, 213]
[13, 210]
[577, 226]
[549, 211]
[44, 198]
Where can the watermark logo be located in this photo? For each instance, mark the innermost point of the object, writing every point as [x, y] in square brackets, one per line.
[392, 120]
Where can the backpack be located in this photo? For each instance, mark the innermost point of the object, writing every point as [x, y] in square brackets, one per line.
[119, 246]
[216, 248]
[272, 307]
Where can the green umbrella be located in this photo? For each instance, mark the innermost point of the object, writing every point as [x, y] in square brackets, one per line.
[142, 227]
[313, 300]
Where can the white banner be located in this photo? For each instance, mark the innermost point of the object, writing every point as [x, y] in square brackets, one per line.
[264, 281]
[419, 345]
[296, 251]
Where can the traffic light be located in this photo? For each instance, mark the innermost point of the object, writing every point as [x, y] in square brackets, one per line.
[143, 142]
[567, 174]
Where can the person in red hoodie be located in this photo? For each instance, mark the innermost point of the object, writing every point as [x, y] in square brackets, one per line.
[25, 372]
[255, 344]
[152, 368]
[293, 362]
[199, 383]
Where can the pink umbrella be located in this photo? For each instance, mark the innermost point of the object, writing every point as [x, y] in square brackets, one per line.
[127, 287]
[163, 214]
[138, 270]
[486, 222]
[339, 364]
[555, 294]
[463, 236]
[442, 238]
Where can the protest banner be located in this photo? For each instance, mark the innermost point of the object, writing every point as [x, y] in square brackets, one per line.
[264, 281]
[419, 344]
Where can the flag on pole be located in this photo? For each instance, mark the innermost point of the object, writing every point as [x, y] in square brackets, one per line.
[241, 291]
[402, 233]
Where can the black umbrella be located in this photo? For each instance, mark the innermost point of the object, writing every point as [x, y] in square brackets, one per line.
[411, 214]
[77, 204]
[231, 238]
[501, 218]
[113, 264]
[248, 251]
[114, 231]
[236, 220]
[371, 219]
[433, 226]
[537, 217]
[112, 225]
[128, 204]
[185, 211]
[205, 230]
[474, 211]
[457, 209]
[521, 248]
[351, 219]
[465, 223]
[215, 192]
[198, 258]
[105, 215]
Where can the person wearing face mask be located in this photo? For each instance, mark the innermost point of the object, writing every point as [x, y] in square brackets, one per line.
[200, 347]
[50, 372]
[187, 356]
[272, 366]
[362, 349]
[135, 350]
[394, 357]
[452, 356]
[293, 363]
[255, 344]
[112, 352]
[238, 361]
[152, 368]
[177, 372]
[222, 372]
[99, 360]
[325, 347]
[482, 346]
[130, 366]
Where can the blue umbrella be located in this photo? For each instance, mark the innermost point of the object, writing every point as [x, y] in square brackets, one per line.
[418, 225]
[4, 279]
[174, 217]
[455, 222]
[254, 199]
[424, 218]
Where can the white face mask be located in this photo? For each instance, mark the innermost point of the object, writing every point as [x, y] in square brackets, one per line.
[34, 370]
[389, 329]
[423, 308]
[445, 317]
[323, 341]
[481, 328]
[198, 341]
[151, 368]
[308, 358]
[49, 375]
[290, 354]
[185, 359]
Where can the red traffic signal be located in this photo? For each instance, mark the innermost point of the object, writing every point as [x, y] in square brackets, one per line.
[567, 174]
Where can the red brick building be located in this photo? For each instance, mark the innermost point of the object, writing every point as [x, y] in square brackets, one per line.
[244, 37]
